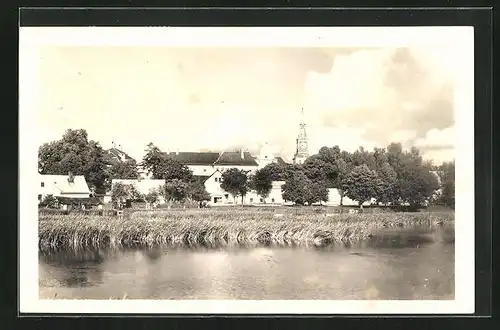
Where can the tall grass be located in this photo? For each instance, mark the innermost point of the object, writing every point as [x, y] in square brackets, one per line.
[229, 228]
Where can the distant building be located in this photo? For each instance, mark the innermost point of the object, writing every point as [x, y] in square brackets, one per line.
[302, 143]
[65, 186]
[116, 153]
[206, 163]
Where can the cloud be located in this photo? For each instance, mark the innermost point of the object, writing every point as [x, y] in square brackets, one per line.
[437, 139]
[394, 93]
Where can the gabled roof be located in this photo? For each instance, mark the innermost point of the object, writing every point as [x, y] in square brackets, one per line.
[227, 158]
[61, 183]
[118, 154]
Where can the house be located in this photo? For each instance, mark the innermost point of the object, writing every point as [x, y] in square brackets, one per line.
[117, 153]
[206, 163]
[143, 186]
[63, 186]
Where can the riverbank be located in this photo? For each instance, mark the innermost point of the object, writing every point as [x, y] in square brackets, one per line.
[229, 228]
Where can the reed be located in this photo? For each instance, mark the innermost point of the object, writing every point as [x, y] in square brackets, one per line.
[229, 228]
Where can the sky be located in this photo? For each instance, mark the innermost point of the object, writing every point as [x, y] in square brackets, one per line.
[222, 98]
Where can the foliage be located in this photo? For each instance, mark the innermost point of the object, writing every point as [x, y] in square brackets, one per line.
[213, 229]
[75, 153]
[235, 182]
[361, 184]
[161, 166]
[261, 182]
[198, 193]
[123, 170]
[152, 196]
[49, 201]
[301, 190]
[386, 190]
[121, 193]
[176, 190]
[277, 171]
[321, 167]
[446, 174]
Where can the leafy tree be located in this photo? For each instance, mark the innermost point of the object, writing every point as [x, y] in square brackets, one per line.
[261, 182]
[387, 188]
[361, 184]
[152, 196]
[49, 201]
[343, 170]
[176, 190]
[277, 171]
[321, 169]
[446, 174]
[162, 166]
[198, 193]
[119, 194]
[416, 184]
[300, 190]
[235, 182]
[123, 170]
[75, 153]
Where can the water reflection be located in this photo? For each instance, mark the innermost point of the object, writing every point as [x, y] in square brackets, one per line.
[382, 268]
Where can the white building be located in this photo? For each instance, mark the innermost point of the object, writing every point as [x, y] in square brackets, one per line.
[69, 186]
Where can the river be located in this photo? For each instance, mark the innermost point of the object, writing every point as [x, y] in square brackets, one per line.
[401, 270]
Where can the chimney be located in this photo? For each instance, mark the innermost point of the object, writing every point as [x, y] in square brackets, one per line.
[113, 144]
[120, 147]
[71, 177]
[242, 154]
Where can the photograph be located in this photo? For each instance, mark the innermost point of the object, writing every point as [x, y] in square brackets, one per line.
[254, 169]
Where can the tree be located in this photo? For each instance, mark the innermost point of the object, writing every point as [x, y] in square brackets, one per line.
[299, 189]
[119, 194]
[446, 173]
[387, 188]
[176, 190]
[49, 201]
[343, 170]
[75, 153]
[161, 166]
[123, 170]
[416, 184]
[235, 182]
[277, 171]
[261, 182]
[361, 184]
[198, 193]
[152, 196]
[319, 169]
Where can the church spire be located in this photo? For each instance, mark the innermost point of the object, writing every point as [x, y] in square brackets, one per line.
[302, 150]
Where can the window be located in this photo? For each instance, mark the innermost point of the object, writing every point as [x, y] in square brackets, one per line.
[42, 184]
[226, 196]
[272, 200]
[251, 200]
[265, 156]
[204, 170]
[216, 179]
[39, 197]
[262, 200]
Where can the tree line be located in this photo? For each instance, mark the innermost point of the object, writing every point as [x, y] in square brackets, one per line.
[387, 176]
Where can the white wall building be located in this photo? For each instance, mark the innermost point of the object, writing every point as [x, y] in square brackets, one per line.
[70, 186]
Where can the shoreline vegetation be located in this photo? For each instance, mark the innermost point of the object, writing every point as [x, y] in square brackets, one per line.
[206, 228]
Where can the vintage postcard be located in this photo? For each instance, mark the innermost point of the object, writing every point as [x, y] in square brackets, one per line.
[247, 170]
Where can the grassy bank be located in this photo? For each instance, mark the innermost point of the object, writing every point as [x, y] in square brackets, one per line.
[228, 228]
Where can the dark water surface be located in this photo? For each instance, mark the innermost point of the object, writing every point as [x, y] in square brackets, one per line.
[391, 269]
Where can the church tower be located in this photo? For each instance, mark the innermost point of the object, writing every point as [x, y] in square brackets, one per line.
[302, 151]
